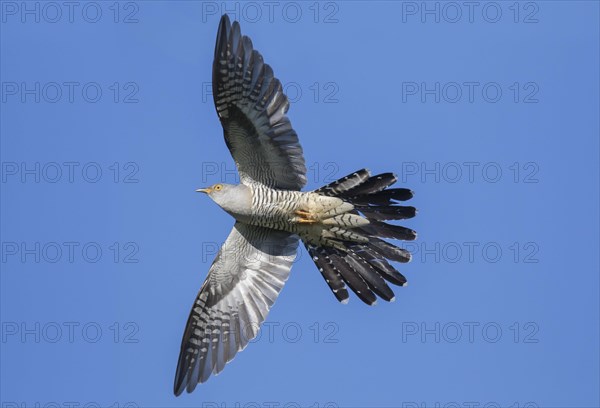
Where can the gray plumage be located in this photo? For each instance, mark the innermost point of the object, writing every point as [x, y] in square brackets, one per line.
[242, 285]
[251, 105]
[340, 224]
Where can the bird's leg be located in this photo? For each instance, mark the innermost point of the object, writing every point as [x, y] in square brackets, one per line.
[305, 217]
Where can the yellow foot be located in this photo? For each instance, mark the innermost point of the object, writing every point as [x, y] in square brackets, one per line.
[302, 213]
[305, 217]
[305, 221]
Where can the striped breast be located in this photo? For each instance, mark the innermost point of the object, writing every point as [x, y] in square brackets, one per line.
[273, 208]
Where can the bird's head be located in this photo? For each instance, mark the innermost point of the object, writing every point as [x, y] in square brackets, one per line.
[231, 197]
[217, 191]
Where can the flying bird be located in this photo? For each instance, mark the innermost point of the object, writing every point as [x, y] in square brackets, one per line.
[342, 225]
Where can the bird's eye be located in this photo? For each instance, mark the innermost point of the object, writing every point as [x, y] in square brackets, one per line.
[218, 187]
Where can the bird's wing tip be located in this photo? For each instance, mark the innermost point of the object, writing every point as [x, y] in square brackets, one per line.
[225, 19]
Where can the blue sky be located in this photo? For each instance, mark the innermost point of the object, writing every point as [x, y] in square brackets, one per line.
[487, 110]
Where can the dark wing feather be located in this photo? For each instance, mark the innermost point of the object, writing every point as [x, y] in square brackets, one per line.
[252, 108]
[242, 285]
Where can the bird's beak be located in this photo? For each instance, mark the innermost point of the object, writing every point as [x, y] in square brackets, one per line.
[204, 190]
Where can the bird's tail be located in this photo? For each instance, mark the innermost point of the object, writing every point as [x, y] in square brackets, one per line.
[363, 264]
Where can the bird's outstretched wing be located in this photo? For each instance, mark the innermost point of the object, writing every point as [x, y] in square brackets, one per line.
[242, 285]
[251, 106]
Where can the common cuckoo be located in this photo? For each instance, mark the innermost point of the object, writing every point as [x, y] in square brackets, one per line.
[342, 225]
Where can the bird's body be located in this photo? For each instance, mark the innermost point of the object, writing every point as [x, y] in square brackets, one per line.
[314, 217]
[342, 224]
